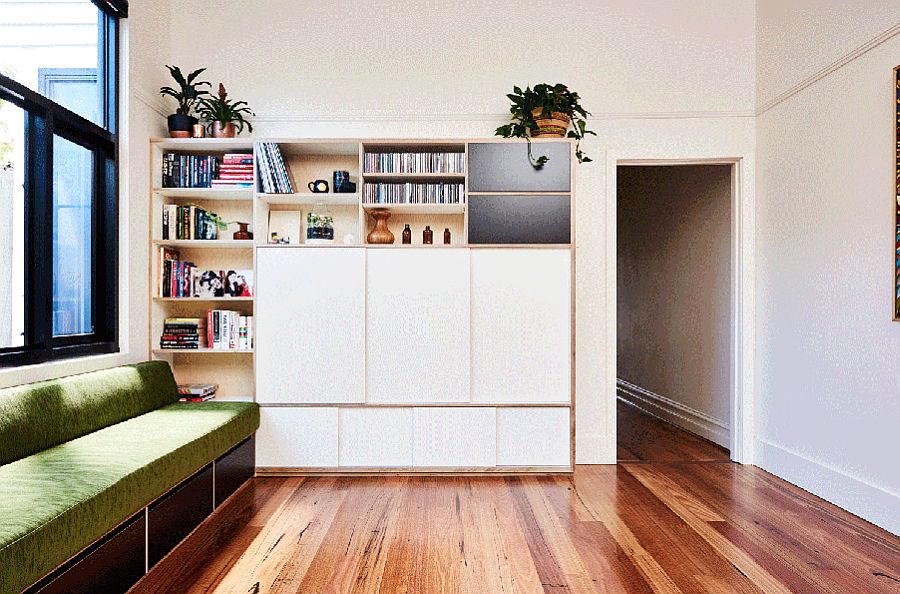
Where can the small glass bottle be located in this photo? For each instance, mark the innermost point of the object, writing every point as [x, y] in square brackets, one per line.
[407, 234]
[428, 235]
[446, 236]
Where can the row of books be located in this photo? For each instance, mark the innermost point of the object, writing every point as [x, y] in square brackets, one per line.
[220, 330]
[273, 174]
[181, 279]
[207, 171]
[188, 222]
[414, 162]
[197, 392]
[412, 193]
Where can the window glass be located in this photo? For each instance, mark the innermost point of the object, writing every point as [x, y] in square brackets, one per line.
[52, 48]
[72, 192]
[12, 226]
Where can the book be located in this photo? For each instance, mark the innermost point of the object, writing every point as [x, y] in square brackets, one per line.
[237, 283]
[197, 389]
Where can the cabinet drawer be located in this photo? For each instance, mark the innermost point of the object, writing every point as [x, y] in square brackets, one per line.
[234, 468]
[172, 518]
[533, 437]
[291, 437]
[520, 219]
[504, 167]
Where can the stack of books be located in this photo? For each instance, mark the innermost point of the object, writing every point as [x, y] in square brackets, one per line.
[229, 330]
[273, 174]
[188, 222]
[183, 334]
[188, 171]
[236, 171]
[197, 392]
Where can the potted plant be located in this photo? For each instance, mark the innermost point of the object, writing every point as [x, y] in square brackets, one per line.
[224, 115]
[546, 111]
[189, 91]
[319, 228]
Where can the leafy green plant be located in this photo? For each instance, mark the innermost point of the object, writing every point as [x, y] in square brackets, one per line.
[316, 221]
[188, 92]
[547, 99]
[222, 109]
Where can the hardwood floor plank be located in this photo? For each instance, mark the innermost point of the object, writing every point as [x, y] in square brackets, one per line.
[643, 437]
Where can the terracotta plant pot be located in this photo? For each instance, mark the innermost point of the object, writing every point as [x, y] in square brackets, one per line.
[554, 126]
[220, 130]
[380, 233]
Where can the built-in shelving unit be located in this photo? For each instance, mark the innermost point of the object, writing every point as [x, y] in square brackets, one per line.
[451, 357]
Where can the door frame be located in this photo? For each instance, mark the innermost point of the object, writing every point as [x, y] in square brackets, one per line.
[741, 433]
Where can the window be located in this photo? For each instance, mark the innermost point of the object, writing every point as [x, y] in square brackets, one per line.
[58, 179]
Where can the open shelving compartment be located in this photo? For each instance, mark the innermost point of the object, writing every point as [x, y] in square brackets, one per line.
[232, 369]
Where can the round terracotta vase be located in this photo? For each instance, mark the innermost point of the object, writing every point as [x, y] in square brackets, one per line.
[220, 130]
[554, 126]
[380, 233]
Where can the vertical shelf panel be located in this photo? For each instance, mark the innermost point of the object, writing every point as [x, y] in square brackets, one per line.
[521, 325]
[310, 325]
[418, 326]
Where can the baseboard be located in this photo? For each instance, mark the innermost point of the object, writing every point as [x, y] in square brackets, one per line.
[870, 502]
[687, 418]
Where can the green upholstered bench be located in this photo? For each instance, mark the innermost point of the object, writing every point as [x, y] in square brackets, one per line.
[81, 456]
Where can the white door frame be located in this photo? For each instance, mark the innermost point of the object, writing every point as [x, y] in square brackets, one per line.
[742, 287]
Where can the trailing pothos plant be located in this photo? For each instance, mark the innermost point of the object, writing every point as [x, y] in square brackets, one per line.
[188, 92]
[220, 108]
[545, 100]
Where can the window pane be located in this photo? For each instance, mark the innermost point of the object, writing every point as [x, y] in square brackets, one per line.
[12, 225]
[51, 47]
[72, 193]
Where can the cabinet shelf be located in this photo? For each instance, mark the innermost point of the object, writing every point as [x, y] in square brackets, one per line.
[311, 199]
[426, 209]
[240, 195]
[203, 299]
[403, 177]
[206, 243]
[204, 351]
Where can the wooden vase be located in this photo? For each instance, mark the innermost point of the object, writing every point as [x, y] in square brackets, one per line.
[220, 130]
[554, 126]
[380, 233]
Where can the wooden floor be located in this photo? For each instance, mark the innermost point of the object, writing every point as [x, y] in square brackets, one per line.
[641, 437]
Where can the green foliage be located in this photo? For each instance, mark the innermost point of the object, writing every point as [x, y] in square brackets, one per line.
[222, 109]
[547, 98]
[188, 91]
[317, 221]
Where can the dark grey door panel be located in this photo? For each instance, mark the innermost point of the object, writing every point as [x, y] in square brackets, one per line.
[504, 167]
[520, 219]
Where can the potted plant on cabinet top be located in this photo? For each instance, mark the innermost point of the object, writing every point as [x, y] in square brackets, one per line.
[224, 115]
[546, 111]
[187, 94]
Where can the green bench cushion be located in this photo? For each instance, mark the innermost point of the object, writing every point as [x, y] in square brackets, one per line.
[58, 501]
[34, 417]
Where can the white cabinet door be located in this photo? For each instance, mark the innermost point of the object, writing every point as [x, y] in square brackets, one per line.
[310, 325]
[460, 437]
[376, 437]
[533, 437]
[418, 325]
[521, 325]
[291, 437]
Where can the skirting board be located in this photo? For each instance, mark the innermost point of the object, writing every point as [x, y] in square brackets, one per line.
[870, 502]
[675, 413]
[266, 471]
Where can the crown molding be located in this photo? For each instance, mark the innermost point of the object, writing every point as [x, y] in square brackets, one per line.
[834, 66]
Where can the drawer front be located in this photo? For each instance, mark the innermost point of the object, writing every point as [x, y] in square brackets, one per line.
[504, 167]
[533, 437]
[173, 517]
[520, 219]
[234, 468]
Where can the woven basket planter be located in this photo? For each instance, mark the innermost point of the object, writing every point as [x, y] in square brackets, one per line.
[554, 126]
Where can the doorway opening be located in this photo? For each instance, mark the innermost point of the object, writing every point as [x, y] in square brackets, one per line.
[675, 329]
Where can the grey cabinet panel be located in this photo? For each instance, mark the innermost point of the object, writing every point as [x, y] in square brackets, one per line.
[520, 218]
[504, 167]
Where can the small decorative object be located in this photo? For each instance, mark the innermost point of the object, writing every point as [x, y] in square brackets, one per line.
[546, 111]
[446, 236]
[285, 224]
[319, 225]
[380, 233]
[342, 183]
[319, 186]
[428, 235]
[226, 117]
[187, 94]
[242, 232]
[198, 131]
[407, 235]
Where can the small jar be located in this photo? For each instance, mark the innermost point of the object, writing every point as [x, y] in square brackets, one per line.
[428, 235]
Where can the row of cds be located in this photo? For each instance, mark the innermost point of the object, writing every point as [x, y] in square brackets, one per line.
[412, 193]
[414, 163]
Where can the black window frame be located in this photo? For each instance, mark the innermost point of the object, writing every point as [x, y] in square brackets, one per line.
[45, 119]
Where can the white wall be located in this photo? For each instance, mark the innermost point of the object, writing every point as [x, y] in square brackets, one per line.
[828, 380]
[674, 293]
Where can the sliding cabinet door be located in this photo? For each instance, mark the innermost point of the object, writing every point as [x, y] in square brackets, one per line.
[310, 325]
[418, 325]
